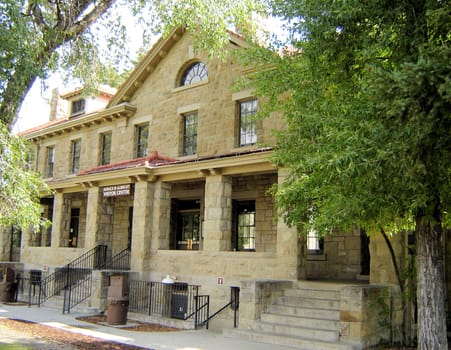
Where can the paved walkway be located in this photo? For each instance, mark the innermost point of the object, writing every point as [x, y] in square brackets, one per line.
[183, 340]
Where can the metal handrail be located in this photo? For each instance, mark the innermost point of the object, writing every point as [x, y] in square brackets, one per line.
[120, 261]
[67, 276]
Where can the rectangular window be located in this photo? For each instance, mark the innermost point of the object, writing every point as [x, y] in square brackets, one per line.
[141, 139]
[105, 148]
[315, 244]
[78, 107]
[248, 124]
[75, 155]
[190, 134]
[50, 161]
[244, 225]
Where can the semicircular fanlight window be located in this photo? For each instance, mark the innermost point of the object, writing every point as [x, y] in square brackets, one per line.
[194, 73]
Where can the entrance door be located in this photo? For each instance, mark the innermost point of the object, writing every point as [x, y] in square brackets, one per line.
[74, 225]
[364, 253]
[130, 228]
[188, 224]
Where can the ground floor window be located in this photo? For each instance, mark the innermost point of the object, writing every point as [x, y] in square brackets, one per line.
[315, 244]
[244, 225]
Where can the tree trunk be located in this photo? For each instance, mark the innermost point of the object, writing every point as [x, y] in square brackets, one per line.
[430, 285]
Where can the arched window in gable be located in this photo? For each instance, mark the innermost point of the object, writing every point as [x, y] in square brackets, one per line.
[194, 73]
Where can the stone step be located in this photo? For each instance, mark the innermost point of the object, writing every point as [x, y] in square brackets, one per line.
[301, 321]
[57, 302]
[329, 304]
[293, 341]
[291, 310]
[320, 285]
[297, 331]
[312, 293]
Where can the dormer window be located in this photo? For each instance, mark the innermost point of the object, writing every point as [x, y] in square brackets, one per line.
[78, 107]
[194, 73]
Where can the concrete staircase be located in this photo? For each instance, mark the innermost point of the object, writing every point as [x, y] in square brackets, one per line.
[57, 301]
[307, 316]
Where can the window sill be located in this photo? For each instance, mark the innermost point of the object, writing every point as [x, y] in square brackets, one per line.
[239, 149]
[316, 257]
[190, 86]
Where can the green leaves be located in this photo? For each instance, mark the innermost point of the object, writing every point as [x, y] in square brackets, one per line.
[365, 95]
[20, 188]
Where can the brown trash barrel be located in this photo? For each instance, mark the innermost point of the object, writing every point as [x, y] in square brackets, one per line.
[117, 311]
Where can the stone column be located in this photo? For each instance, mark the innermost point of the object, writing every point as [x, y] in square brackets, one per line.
[290, 252]
[142, 225]
[92, 217]
[5, 243]
[218, 213]
[57, 219]
[161, 216]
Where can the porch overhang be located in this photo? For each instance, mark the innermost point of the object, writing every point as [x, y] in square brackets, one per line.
[256, 162]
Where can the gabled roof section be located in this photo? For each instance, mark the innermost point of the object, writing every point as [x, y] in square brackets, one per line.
[152, 161]
[104, 90]
[154, 56]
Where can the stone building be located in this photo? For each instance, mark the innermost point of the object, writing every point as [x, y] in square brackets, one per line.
[174, 169]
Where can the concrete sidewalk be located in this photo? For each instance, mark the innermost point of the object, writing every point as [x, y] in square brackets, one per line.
[183, 340]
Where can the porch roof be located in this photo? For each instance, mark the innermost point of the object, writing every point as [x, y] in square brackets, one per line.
[152, 161]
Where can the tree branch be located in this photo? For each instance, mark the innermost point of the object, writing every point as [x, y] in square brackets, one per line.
[79, 26]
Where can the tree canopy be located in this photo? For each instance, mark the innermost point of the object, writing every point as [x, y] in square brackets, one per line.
[365, 91]
[20, 187]
[85, 40]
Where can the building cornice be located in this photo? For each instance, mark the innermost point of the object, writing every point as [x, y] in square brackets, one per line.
[123, 110]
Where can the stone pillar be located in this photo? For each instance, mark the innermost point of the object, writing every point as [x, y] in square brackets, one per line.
[92, 217]
[142, 225]
[290, 251]
[161, 216]
[99, 292]
[5, 243]
[366, 315]
[57, 219]
[218, 213]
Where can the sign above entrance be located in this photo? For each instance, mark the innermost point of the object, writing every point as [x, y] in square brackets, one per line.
[116, 191]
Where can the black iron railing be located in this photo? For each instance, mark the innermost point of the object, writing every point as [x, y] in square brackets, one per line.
[74, 279]
[120, 261]
[177, 300]
[201, 316]
[77, 293]
[234, 304]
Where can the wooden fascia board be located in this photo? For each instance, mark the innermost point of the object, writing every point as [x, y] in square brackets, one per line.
[123, 110]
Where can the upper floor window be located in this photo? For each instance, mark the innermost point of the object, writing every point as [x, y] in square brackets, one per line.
[141, 139]
[78, 107]
[105, 148]
[195, 73]
[247, 122]
[75, 156]
[190, 134]
[50, 161]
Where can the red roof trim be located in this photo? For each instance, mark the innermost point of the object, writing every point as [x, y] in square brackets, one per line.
[154, 160]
